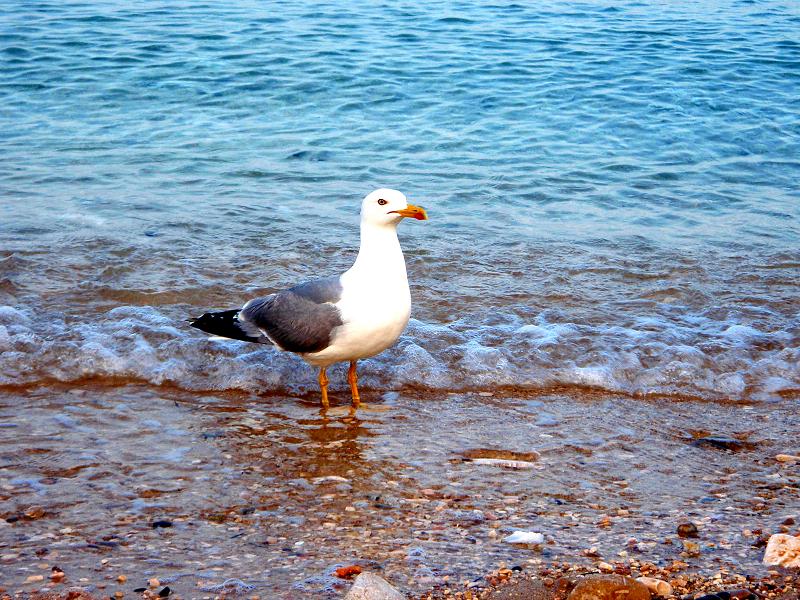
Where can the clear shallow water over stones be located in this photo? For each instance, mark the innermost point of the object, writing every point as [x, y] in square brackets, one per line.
[612, 186]
[265, 491]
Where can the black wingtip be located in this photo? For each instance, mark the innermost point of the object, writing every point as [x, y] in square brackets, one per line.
[224, 324]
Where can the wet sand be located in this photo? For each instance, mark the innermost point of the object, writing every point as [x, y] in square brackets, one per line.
[196, 490]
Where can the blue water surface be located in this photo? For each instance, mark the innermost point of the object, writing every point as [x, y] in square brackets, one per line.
[597, 170]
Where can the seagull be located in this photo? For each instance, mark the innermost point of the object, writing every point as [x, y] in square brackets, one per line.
[347, 317]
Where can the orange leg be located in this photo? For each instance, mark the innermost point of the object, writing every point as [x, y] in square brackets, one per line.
[352, 377]
[323, 386]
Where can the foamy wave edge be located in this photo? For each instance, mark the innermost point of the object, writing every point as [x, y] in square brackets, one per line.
[715, 360]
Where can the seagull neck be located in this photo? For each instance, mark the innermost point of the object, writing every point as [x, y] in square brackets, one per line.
[380, 250]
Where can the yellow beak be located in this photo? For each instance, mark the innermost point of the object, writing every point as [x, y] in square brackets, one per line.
[414, 212]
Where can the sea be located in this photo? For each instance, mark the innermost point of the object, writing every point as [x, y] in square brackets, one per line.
[613, 191]
[613, 187]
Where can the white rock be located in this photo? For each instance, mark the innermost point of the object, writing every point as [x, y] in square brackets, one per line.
[659, 587]
[371, 587]
[525, 537]
[329, 479]
[783, 550]
[501, 462]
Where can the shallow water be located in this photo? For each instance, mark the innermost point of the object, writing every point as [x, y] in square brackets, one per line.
[265, 491]
[613, 187]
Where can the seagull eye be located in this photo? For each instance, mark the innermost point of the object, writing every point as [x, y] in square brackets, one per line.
[383, 202]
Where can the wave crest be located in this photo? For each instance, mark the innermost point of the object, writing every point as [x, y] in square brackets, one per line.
[690, 355]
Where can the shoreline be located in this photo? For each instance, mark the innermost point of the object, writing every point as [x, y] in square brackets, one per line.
[556, 581]
[194, 490]
[543, 582]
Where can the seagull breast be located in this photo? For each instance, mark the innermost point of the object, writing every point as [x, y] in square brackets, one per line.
[375, 304]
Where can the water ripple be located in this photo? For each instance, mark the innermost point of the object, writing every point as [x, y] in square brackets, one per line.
[573, 159]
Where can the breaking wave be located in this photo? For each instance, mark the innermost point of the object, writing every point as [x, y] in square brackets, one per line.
[688, 354]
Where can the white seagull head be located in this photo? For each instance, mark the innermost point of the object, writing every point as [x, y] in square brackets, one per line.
[388, 207]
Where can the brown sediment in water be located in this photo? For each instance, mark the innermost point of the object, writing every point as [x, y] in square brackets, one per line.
[197, 490]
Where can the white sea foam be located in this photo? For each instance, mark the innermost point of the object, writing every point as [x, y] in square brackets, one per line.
[709, 359]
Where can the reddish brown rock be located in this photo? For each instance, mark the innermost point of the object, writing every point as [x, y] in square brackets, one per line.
[34, 512]
[609, 587]
[687, 530]
[347, 572]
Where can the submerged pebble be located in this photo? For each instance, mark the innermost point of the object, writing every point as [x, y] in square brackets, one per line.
[524, 537]
[722, 443]
[785, 458]
[687, 530]
[162, 523]
[500, 462]
[34, 512]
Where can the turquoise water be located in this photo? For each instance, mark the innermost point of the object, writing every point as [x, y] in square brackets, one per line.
[613, 187]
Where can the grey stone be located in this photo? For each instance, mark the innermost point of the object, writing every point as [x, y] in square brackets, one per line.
[368, 586]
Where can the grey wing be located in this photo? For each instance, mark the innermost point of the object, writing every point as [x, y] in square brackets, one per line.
[328, 289]
[300, 319]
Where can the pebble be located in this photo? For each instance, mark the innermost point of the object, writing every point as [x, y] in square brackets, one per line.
[605, 567]
[474, 454]
[34, 578]
[162, 523]
[153, 582]
[608, 587]
[524, 537]
[720, 442]
[34, 512]
[659, 587]
[508, 464]
[691, 548]
[783, 550]
[687, 530]
[369, 586]
[347, 572]
[787, 458]
[329, 479]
